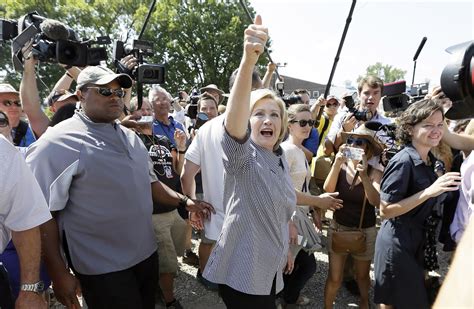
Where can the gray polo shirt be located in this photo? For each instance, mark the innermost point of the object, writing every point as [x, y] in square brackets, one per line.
[97, 176]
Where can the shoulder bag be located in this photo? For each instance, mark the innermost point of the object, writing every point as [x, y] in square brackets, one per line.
[350, 241]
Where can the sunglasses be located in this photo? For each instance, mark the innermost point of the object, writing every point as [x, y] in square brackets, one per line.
[107, 92]
[10, 103]
[56, 95]
[303, 123]
[357, 141]
[329, 105]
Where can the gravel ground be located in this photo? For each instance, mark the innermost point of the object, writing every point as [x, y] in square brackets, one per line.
[193, 295]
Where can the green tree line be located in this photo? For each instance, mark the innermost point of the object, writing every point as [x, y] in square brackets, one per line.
[200, 42]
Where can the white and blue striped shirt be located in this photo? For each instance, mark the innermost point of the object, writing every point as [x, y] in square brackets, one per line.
[260, 198]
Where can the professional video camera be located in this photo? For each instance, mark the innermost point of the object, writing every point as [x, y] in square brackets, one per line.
[457, 81]
[191, 108]
[359, 115]
[52, 41]
[143, 73]
[391, 144]
[394, 97]
[288, 99]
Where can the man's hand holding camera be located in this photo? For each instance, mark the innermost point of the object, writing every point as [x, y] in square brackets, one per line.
[349, 123]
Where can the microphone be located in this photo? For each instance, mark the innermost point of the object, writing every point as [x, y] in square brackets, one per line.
[54, 30]
[422, 43]
[373, 125]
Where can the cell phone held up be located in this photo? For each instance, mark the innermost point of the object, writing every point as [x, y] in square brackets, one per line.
[353, 153]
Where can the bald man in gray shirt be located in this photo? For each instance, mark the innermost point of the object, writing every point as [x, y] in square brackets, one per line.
[100, 185]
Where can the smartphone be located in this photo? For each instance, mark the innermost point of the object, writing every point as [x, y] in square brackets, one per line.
[145, 119]
[353, 153]
[301, 242]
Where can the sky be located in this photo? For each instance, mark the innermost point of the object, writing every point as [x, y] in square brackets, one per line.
[305, 34]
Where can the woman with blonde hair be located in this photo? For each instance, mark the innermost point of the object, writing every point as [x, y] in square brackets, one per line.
[250, 253]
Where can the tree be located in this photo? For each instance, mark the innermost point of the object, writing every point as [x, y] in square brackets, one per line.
[200, 42]
[386, 72]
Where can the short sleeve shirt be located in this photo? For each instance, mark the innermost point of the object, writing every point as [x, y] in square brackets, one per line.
[159, 128]
[22, 204]
[405, 175]
[260, 199]
[206, 151]
[97, 177]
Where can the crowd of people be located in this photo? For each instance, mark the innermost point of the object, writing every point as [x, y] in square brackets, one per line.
[101, 198]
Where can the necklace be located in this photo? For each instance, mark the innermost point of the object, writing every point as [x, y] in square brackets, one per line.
[160, 154]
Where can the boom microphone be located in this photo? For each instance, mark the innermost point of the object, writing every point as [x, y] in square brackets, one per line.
[54, 30]
[422, 43]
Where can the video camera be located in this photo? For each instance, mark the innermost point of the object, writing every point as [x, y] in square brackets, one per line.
[394, 97]
[52, 41]
[288, 99]
[143, 73]
[391, 144]
[191, 108]
[457, 81]
[359, 115]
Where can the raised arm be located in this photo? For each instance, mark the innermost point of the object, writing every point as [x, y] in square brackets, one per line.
[30, 99]
[271, 67]
[238, 107]
[458, 141]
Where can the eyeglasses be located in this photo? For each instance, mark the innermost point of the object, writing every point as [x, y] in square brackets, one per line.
[56, 95]
[10, 103]
[303, 123]
[107, 92]
[357, 141]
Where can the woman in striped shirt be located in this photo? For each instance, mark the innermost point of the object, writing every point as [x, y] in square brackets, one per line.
[251, 252]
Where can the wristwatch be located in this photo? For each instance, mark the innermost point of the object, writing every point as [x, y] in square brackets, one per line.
[37, 287]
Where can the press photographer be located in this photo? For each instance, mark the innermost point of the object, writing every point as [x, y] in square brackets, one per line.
[370, 92]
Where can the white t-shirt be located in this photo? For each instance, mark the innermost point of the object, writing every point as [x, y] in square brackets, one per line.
[298, 167]
[22, 204]
[206, 151]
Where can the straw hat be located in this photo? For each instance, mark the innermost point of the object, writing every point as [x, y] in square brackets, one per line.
[363, 132]
[212, 87]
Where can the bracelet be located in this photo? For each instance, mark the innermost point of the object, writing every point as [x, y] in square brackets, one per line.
[183, 200]
[181, 152]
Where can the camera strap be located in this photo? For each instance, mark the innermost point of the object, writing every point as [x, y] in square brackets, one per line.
[20, 132]
[325, 127]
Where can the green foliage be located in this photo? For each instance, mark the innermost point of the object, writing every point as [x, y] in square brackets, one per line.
[387, 72]
[200, 42]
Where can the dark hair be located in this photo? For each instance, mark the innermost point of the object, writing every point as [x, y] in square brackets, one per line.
[372, 81]
[414, 114]
[256, 80]
[206, 96]
[63, 113]
[300, 91]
